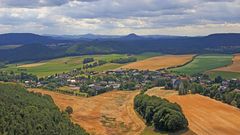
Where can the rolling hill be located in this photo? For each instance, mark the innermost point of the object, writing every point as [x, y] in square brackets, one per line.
[36, 47]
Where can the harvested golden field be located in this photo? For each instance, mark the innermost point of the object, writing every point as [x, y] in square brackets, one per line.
[31, 65]
[205, 116]
[234, 67]
[110, 113]
[159, 62]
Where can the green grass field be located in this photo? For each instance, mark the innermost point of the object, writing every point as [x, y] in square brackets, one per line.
[66, 64]
[226, 75]
[203, 63]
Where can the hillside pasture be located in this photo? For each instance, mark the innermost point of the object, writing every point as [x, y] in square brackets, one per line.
[203, 63]
[205, 115]
[159, 62]
[65, 64]
[110, 113]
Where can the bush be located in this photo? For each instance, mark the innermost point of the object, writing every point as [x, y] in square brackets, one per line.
[69, 110]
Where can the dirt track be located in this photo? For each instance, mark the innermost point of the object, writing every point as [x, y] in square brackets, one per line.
[111, 113]
[159, 62]
[206, 116]
[235, 67]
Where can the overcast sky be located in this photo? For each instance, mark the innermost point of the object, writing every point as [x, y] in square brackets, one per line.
[120, 17]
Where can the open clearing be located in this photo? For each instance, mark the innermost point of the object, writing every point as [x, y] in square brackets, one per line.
[234, 67]
[205, 115]
[204, 63]
[110, 113]
[159, 62]
[65, 64]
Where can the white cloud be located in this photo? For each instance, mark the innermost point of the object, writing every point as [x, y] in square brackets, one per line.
[183, 17]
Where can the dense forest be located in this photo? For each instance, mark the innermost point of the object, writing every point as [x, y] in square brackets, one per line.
[160, 113]
[25, 113]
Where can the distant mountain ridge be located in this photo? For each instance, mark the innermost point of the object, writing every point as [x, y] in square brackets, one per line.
[30, 38]
[37, 47]
[24, 38]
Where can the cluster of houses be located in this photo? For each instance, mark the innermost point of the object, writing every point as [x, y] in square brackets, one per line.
[119, 79]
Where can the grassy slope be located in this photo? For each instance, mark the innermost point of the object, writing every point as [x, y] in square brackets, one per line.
[204, 63]
[69, 63]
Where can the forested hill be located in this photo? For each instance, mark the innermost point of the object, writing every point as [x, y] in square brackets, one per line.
[25, 38]
[45, 47]
[24, 113]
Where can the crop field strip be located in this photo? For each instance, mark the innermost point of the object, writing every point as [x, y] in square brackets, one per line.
[110, 113]
[205, 115]
[229, 71]
[159, 62]
[204, 63]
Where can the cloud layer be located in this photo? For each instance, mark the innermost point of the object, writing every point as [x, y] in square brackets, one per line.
[175, 17]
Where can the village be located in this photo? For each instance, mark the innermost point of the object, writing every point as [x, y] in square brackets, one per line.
[80, 82]
[93, 83]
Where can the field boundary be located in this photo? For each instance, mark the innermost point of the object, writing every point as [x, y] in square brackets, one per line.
[172, 67]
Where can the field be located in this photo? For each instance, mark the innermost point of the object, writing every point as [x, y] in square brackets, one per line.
[204, 63]
[230, 71]
[234, 67]
[110, 113]
[159, 62]
[59, 65]
[226, 75]
[205, 115]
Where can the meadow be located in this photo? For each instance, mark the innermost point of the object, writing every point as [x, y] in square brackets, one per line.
[203, 63]
[65, 64]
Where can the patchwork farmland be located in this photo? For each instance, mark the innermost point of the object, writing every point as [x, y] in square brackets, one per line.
[159, 62]
[65, 64]
[205, 115]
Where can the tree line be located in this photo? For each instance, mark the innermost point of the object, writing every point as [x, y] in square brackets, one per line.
[124, 60]
[160, 113]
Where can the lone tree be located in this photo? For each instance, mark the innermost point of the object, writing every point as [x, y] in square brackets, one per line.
[69, 110]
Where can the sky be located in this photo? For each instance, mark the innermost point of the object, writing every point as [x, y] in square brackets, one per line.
[120, 17]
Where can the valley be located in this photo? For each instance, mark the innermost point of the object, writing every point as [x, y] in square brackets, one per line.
[119, 67]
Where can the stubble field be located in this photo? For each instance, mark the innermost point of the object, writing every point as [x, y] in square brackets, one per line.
[110, 113]
[159, 62]
[205, 115]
